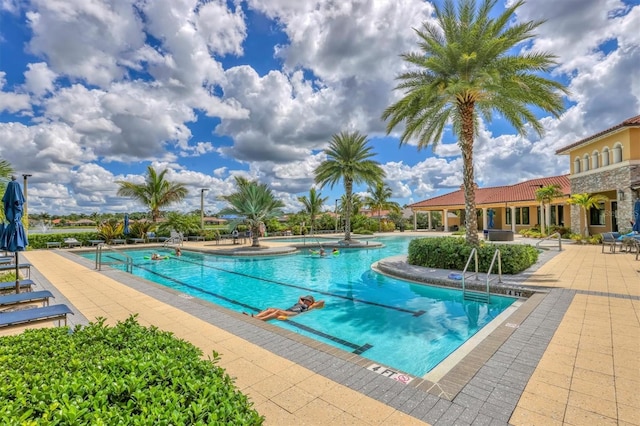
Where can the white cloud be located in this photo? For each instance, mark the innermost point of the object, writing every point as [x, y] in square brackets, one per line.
[39, 79]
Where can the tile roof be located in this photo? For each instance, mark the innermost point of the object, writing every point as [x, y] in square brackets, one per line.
[631, 122]
[523, 191]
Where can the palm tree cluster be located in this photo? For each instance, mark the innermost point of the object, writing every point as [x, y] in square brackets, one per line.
[468, 67]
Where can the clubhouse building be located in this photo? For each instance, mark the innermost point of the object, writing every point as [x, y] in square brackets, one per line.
[606, 163]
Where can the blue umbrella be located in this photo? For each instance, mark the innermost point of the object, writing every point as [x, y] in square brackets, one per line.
[636, 215]
[13, 237]
[126, 224]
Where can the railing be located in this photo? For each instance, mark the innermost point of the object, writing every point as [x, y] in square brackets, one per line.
[172, 241]
[549, 237]
[477, 295]
[126, 259]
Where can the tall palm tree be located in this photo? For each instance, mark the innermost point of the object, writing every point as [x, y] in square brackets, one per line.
[155, 193]
[313, 205]
[379, 200]
[586, 202]
[468, 67]
[545, 196]
[255, 203]
[348, 159]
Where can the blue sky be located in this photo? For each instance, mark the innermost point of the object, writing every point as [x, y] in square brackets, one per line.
[94, 92]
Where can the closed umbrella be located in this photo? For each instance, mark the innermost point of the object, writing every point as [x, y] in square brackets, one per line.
[13, 237]
[636, 215]
[126, 224]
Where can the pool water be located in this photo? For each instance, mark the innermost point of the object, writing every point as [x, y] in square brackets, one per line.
[406, 326]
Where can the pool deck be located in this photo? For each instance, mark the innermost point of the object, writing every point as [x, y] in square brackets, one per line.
[569, 355]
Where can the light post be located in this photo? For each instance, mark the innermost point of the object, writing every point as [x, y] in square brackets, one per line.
[336, 212]
[26, 214]
[202, 190]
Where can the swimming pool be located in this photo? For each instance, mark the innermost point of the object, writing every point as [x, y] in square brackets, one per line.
[406, 326]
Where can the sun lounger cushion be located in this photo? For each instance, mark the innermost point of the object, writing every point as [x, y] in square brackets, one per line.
[27, 316]
[28, 297]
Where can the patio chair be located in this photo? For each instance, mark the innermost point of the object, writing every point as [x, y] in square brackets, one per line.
[611, 239]
[35, 315]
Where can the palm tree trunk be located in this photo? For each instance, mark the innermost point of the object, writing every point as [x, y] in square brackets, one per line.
[466, 147]
[348, 188]
[585, 231]
[255, 236]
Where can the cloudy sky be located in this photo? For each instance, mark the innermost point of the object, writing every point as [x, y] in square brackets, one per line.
[94, 91]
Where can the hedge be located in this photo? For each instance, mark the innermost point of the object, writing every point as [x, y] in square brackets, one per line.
[453, 253]
[126, 374]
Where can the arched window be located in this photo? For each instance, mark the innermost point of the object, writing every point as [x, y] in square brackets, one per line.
[605, 157]
[576, 165]
[595, 163]
[617, 153]
[585, 163]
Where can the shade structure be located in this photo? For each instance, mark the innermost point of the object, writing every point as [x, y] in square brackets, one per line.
[636, 216]
[13, 237]
[126, 224]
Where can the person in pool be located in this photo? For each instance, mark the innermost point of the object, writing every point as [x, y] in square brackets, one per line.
[305, 303]
[156, 256]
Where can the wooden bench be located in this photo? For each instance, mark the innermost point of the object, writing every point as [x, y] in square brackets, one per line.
[28, 297]
[35, 315]
[51, 244]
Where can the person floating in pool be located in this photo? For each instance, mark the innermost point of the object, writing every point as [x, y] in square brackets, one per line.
[305, 303]
[322, 252]
[156, 256]
[335, 251]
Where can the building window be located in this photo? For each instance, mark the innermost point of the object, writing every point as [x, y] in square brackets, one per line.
[594, 160]
[617, 154]
[605, 157]
[576, 166]
[522, 216]
[596, 215]
[525, 215]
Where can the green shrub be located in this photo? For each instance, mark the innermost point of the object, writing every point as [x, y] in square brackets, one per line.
[453, 252]
[39, 241]
[127, 374]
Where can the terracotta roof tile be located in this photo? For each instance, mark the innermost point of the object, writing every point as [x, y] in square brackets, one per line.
[631, 122]
[523, 191]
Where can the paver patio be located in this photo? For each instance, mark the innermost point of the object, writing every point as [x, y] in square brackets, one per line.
[573, 359]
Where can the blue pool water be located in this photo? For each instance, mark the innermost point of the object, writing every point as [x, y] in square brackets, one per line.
[399, 324]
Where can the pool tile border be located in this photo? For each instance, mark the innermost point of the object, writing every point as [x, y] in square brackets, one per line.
[484, 386]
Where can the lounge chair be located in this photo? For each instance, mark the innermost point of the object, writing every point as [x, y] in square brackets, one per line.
[29, 297]
[35, 315]
[72, 242]
[8, 268]
[611, 239]
[11, 285]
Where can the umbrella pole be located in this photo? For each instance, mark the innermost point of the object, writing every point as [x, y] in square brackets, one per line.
[17, 276]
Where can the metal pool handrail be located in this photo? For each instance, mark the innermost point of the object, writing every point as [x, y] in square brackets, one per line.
[128, 261]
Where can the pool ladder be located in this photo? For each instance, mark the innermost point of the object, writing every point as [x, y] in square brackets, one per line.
[125, 260]
[480, 296]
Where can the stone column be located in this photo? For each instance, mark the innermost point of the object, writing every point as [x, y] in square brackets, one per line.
[429, 217]
[513, 218]
[445, 220]
[484, 218]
